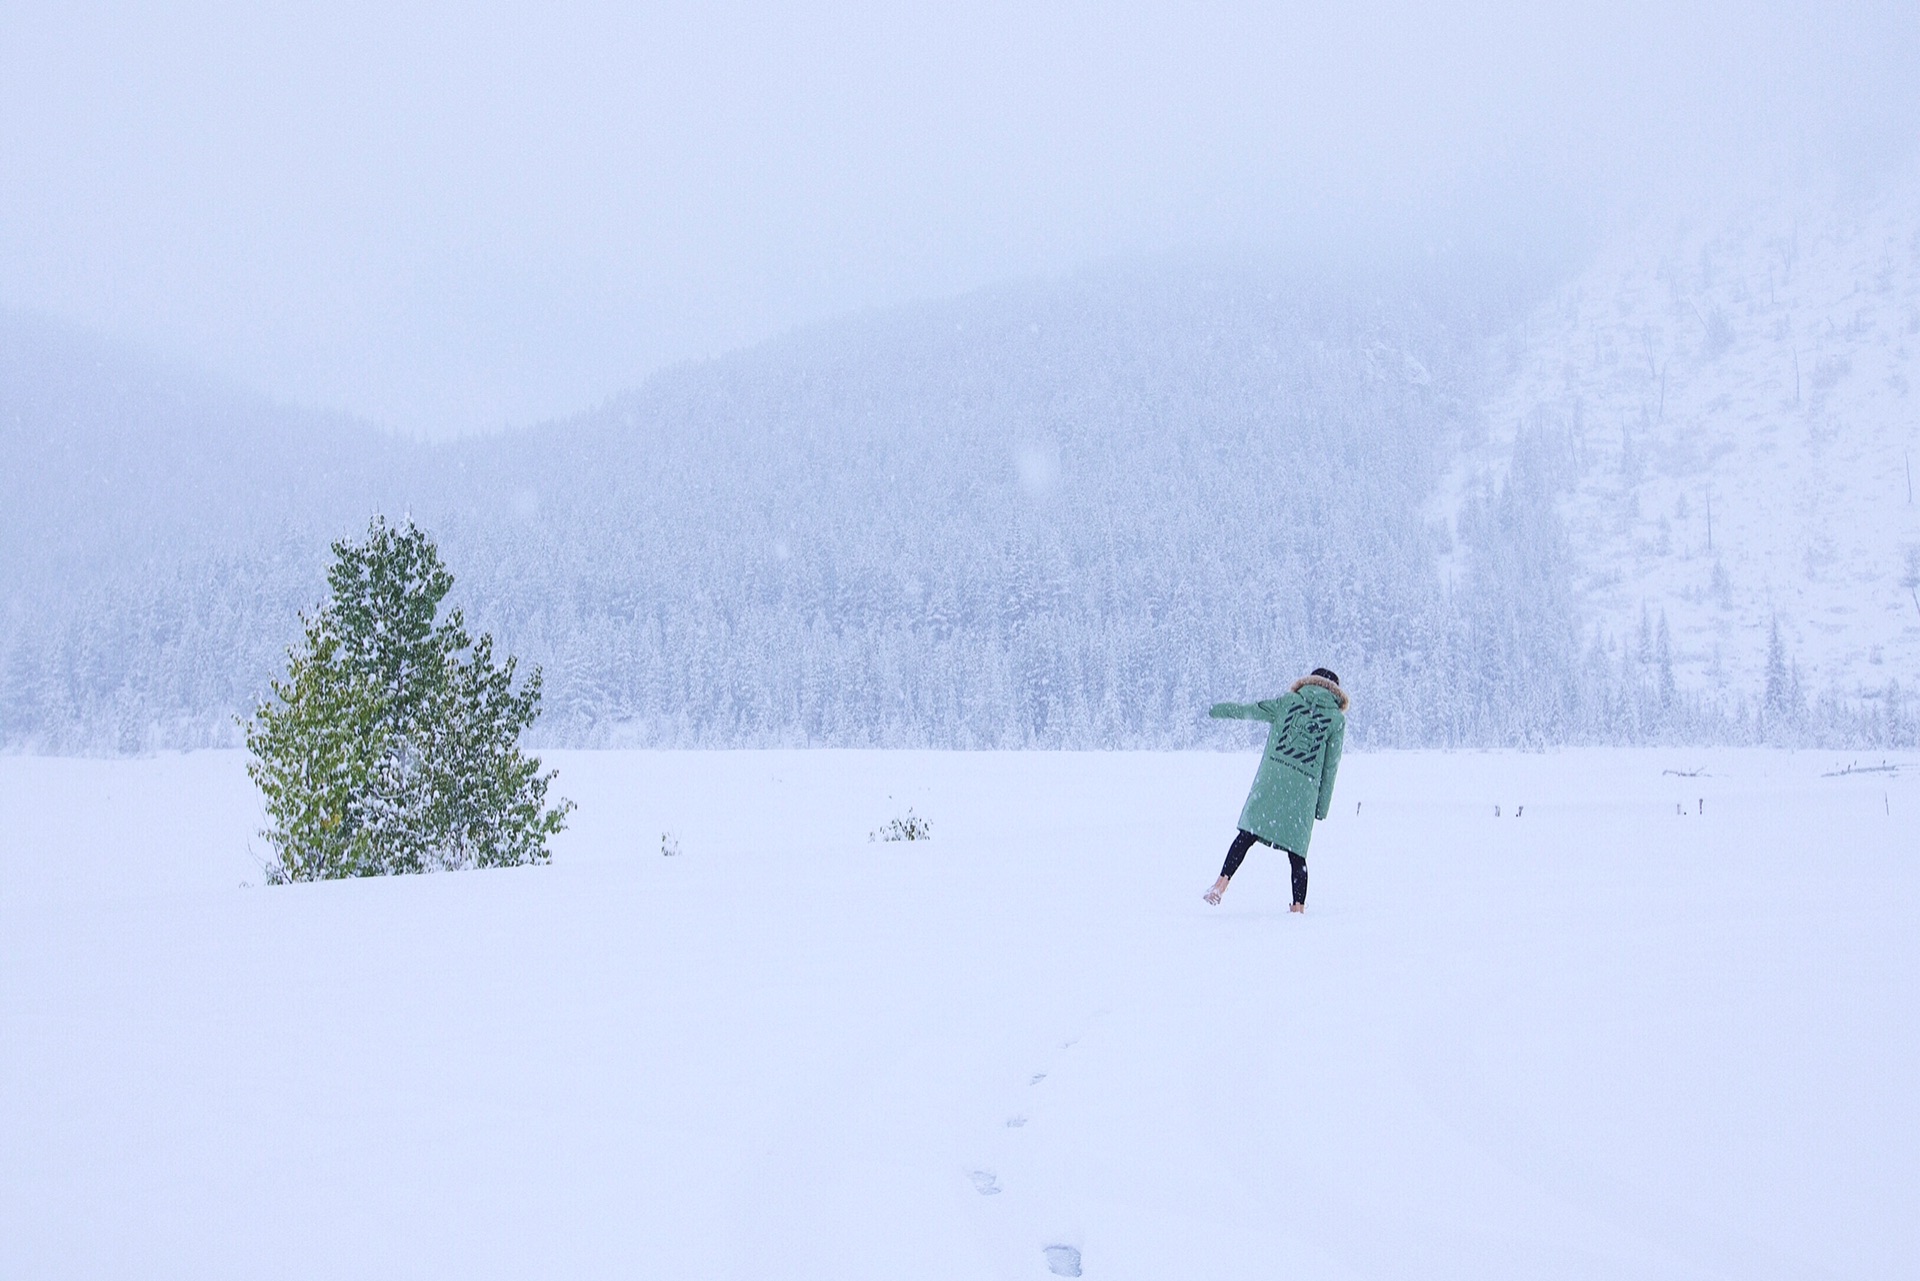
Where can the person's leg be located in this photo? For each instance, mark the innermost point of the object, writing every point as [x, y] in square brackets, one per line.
[1299, 881]
[1236, 854]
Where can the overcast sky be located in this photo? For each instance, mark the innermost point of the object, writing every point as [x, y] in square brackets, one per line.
[455, 217]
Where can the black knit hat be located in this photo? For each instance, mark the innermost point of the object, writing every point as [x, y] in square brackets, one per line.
[1326, 674]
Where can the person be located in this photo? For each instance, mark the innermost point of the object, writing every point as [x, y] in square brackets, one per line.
[1294, 785]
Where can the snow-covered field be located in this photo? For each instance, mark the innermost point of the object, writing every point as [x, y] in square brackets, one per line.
[1596, 1038]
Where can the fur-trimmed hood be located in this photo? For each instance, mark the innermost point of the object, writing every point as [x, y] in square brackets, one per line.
[1339, 695]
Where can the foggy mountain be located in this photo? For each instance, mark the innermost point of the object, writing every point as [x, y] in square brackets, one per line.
[1050, 515]
[1059, 514]
[115, 462]
[157, 531]
[1732, 400]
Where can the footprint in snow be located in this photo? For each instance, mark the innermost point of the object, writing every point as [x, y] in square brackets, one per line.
[1015, 1122]
[1062, 1260]
[1037, 1078]
[985, 1182]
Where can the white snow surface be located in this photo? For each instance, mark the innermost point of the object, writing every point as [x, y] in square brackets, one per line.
[1757, 368]
[1607, 1035]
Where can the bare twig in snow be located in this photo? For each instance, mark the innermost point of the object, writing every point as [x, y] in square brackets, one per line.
[1884, 767]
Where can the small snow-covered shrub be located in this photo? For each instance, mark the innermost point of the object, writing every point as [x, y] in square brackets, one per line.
[910, 828]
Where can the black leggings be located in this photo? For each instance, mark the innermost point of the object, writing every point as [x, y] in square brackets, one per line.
[1237, 853]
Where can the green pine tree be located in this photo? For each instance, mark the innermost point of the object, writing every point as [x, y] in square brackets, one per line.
[393, 744]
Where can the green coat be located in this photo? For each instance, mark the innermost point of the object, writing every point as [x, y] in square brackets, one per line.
[1295, 782]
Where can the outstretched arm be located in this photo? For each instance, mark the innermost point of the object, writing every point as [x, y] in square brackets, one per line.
[1241, 711]
[1330, 764]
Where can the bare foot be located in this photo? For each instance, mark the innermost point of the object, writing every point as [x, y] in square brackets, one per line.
[1213, 895]
[1298, 907]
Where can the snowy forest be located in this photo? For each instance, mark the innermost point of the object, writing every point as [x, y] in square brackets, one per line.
[1064, 514]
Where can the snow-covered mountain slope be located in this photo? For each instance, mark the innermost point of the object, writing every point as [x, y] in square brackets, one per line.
[1594, 1037]
[117, 466]
[1058, 513]
[1732, 405]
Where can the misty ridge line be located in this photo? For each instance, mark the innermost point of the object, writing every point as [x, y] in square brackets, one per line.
[1052, 515]
[615, 495]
